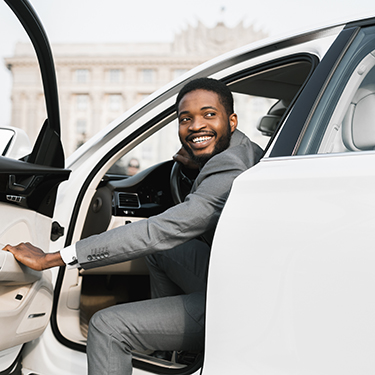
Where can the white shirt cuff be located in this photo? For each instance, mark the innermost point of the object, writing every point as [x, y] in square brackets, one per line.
[69, 256]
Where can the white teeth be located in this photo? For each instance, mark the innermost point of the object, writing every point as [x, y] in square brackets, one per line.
[201, 139]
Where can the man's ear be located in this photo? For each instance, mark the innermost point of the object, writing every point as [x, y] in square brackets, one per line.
[233, 121]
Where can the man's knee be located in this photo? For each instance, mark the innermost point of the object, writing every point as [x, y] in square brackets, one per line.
[105, 322]
[105, 328]
[98, 325]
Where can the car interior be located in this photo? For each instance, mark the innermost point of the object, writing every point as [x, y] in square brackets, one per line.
[357, 125]
[263, 97]
[350, 128]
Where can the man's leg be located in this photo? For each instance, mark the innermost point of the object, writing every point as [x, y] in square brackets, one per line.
[170, 323]
[181, 270]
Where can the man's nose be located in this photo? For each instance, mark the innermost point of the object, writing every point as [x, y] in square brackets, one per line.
[197, 124]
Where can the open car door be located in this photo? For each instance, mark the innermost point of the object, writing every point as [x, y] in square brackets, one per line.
[28, 189]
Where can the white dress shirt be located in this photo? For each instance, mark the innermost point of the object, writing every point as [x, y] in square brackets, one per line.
[69, 256]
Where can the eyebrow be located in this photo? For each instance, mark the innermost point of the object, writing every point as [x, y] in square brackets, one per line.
[202, 109]
[209, 107]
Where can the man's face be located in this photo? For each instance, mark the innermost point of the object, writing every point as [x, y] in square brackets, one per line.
[204, 126]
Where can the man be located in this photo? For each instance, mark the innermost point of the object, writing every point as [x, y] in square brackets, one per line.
[176, 242]
[133, 167]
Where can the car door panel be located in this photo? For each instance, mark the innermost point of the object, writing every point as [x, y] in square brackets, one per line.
[14, 273]
[304, 235]
[29, 185]
[25, 295]
[27, 200]
[25, 307]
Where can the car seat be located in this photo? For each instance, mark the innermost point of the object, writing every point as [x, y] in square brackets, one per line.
[358, 128]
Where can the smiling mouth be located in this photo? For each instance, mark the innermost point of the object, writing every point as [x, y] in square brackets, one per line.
[201, 139]
[198, 138]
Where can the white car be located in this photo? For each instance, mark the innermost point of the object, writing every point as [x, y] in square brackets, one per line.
[292, 267]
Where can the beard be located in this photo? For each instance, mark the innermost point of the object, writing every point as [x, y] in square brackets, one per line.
[221, 145]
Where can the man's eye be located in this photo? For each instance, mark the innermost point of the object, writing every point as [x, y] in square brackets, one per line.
[185, 119]
[210, 114]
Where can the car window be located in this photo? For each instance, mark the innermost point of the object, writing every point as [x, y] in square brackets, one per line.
[344, 118]
[163, 144]
[159, 147]
[250, 110]
[261, 100]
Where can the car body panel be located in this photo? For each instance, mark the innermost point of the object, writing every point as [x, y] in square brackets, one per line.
[291, 260]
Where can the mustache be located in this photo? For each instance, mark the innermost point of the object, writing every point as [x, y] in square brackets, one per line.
[192, 135]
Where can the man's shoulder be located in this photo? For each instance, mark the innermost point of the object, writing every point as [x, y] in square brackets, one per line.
[238, 138]
[243, 148]
[241, 155]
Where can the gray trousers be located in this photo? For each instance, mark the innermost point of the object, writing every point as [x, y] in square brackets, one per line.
[172, 320]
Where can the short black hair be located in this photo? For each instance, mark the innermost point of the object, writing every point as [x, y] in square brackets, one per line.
[209, 84]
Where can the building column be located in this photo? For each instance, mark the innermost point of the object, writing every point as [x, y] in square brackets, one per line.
[67, 128]
[96, 122]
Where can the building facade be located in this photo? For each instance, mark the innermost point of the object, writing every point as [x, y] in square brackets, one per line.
[98, 82]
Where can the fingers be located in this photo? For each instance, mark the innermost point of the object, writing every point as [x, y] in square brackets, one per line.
[180, 159]
[28, 254]
[8, 247]
[12, 249]
[24, 248]
[183, 157]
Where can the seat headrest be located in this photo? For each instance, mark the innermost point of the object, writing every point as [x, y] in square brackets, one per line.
[268, 123]
[358, 129]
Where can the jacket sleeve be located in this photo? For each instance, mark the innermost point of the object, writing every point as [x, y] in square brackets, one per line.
[198, 214]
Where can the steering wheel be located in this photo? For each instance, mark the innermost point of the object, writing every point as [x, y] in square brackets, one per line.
[180, 184]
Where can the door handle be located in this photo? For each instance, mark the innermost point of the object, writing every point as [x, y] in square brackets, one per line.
[13, 185]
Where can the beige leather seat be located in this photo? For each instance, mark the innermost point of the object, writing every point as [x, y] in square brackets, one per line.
[358, 128]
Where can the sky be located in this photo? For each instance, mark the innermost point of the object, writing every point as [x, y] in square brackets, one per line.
[98, 21]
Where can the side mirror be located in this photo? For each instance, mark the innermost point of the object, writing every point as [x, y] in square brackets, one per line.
[14, 143]
[268, 124]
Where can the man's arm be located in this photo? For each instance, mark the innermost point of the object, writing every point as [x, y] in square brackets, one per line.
[38, 260]
[34, 257]
[197, 215]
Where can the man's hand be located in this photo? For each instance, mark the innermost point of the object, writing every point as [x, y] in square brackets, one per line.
[183, 157]
[33, 257]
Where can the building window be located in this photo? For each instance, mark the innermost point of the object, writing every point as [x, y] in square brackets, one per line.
[178, 72]
[114, 75]
[147, 75]
[147, 151]
[115, 102]
[82, 75]
[82, 102]
[81, 127]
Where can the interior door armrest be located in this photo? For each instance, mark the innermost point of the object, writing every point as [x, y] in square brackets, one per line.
[14, 273]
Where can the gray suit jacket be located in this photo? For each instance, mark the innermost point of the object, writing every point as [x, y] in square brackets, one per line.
[196, 216]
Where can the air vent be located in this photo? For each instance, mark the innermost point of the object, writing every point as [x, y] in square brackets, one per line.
[128, 200]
